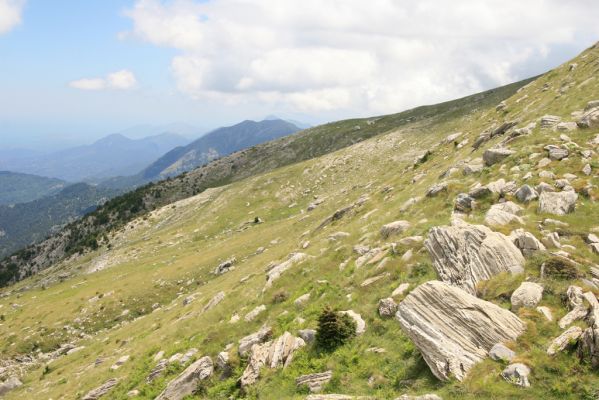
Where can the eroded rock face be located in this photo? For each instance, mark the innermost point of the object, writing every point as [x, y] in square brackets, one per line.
[270, 354]
[453, 329]
[557, 203]
[465, 254]
[187, 382]
[503, 213]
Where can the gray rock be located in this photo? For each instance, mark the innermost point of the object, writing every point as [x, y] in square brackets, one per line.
[254, 313]
[566, 126]
[567, 338]
[588, 345]
[220, 296]
[465, 254]
[452, 329]
[503, 213]
[479, 192]
[100, 391]
[463, 203]
[270, 354]
[315, 382]
[308, 335]
[557, 153]
[400, 290]
[549, 121]
[387, 307]
[360, 323]
[9, 384]
[499, 352]
[528, 294]
[587, 170]
[526, 242]
[544, 187]
[590, 118]
[187, 382]
[246, 343]
[303, 299]
[517, 374]
[223, 365]
[436, 189]
[394, 228]
[422, 397]
[526, 193]
[557, 203]
[495, 155]
[225, 266]
[157, 370]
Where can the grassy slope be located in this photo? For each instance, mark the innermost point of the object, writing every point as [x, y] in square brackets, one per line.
[307, 144]
[171, 253]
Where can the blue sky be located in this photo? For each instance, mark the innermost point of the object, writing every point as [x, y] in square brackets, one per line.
[73, 71]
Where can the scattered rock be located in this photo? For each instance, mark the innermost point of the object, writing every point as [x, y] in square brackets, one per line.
[557, 153]
[308, 335]
[187, 356]
[587, 170]
[157, 370]
[275, 272]
[400, 290]
[119, 362]
[394, 228]
[464, 203]
[517, 374]
[551, 240]
[225, 266]
[387, 307]
[254, 313]
[567, 338]
[527, 295]
[315, 382]
[374, 279]
[220, 296]
[526, 194]
[187, 382]
[303, 299]
[495, 155]
[465, 254]
[503, 214]
[546, 311]
[526, 242]
[436, 189]
[557, 203]
[101, 390]
[270, 354]
[360, 323]
[223, 365]
[499, 352]
[246, 343]
[479, 192]
[549, 121]
[13, 383]
[411, 240]
[452, 329]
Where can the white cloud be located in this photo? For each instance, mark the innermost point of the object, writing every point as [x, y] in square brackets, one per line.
[121, 80]
[359, 57]
[10, 14]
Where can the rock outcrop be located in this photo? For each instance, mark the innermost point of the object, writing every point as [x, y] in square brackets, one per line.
[503, 213]
[187, 382]
[567, 338]
[270, 354]
[275, 272]
[316, 381]
[101, 390]
[453, 329]
[246, 343]
[465, 254]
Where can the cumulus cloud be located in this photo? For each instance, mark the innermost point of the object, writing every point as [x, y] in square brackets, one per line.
[10, 14]
[360, 56]
[121, 80]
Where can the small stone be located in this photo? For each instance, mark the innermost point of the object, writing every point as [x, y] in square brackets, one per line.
[528, 294]
[303, 299]
[387, 307]
[308, 335]
[546, 311]
[436, 189]
[400, 290]
[500, 352]
[517, 374]
[587, 170]
[463, 203]
[315, 382]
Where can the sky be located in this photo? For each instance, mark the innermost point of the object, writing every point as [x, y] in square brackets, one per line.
[72, 71]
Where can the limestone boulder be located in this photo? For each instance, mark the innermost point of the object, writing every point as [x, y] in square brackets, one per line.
[101, 390]
[495, 155]
[500, 352]
[526, 194]
[387, 307]
[453, 329]
[517, 374]
[557, 203]
[246, 343]
[315, 382]
[526, 242]
[503, 213]
[590, 118]
[568, 337]
[187, 382]
[394, 228]
[465, 254]
[527, 295]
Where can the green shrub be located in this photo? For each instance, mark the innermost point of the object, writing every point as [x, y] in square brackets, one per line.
[334, 329]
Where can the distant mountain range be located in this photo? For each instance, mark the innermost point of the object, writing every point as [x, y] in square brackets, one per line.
[218, 143]
[21, 188]
[113, 155]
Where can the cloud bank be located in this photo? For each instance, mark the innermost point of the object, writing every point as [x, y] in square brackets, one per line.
[10, 14]
[121, 80]
[360, 56]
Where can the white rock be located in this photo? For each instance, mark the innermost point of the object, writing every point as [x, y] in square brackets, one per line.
[387, 307]
[503, 213]
[495, 155]
[187, 382]
[558, 203]
[394, 228]
[400, 290]
[360, 323]
[499, 352]
[527, 295]
[568, 337]
[452, 329]
[546, 311]
[254, 313]
[517, 374]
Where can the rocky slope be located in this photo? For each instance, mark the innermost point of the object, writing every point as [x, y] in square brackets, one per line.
[217, 295]
[91, 231]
